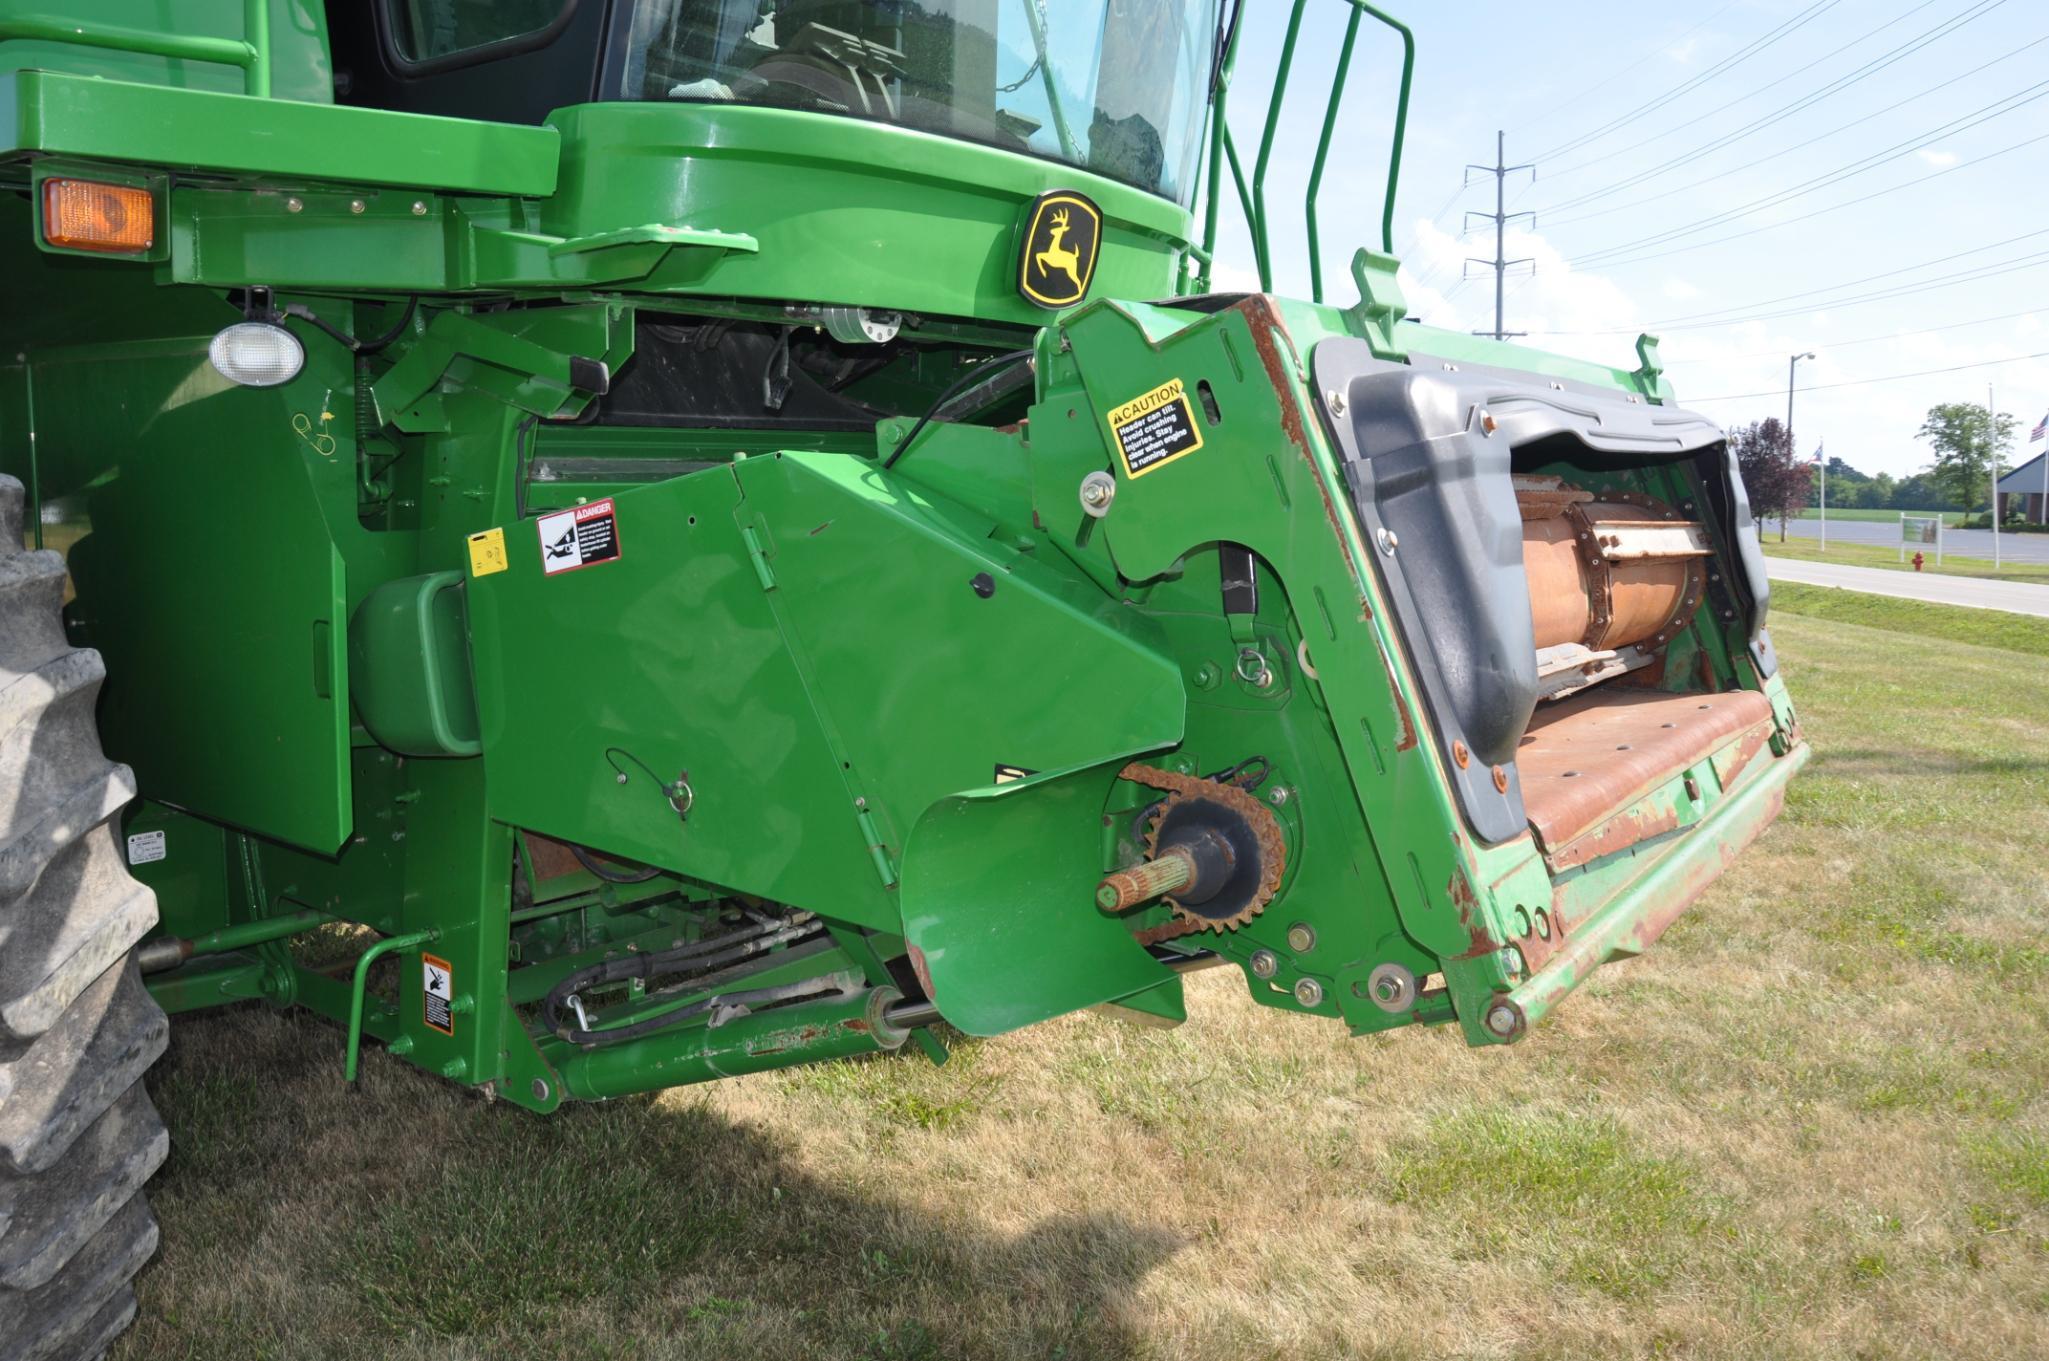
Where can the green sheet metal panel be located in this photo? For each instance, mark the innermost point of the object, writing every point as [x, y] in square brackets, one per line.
[807, 641]
[51, 113]
[206, 574]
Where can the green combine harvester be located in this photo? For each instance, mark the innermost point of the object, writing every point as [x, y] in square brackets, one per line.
[718, 534]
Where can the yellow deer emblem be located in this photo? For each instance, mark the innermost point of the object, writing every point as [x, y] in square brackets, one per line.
[1057, 256]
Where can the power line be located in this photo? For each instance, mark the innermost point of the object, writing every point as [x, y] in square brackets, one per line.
[1834, 345]
[1729, 63]
[1831, 208]
[1984, 114]
[1856, 122]
[1971, 275]
[1866, 382]
[1784, 111]
[1624, 68]
[1869, 278]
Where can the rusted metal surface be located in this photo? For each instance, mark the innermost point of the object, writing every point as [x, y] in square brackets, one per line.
[1586, 758]
[1165, 931]
[1618, 833]
[1607, 573]
[1266, 831]
[550, 859]
[1135, 885]
[1633, 920]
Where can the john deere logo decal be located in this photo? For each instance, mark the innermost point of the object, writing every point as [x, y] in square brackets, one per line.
[1059, 254]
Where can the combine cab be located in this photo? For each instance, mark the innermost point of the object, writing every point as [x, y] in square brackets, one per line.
[720, 535]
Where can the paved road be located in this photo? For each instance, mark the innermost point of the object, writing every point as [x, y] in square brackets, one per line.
[1969, 543]
[2017, 596]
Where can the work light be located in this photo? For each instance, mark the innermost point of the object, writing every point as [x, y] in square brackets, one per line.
[257, 354]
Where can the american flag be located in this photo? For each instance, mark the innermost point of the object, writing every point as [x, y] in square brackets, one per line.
[2041, 429]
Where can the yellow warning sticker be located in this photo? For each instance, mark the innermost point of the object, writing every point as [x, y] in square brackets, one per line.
[487, 553]
[1155, 429]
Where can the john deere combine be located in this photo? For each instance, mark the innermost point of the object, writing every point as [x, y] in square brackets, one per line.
[715, 534]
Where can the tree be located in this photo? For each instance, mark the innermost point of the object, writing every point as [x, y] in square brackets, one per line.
[1777, 481]
[1965, 436]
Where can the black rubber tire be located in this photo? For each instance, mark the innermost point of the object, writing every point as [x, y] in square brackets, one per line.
[78, 1136]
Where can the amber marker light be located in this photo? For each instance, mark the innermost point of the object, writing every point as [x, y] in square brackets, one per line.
[84, 215]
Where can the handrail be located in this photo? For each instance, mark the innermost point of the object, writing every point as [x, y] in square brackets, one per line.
[1223, 147]
[359, 984]
[251, 52]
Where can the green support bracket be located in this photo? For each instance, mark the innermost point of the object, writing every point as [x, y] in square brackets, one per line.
[1650, 371]
[1381, 305]
[547, 364]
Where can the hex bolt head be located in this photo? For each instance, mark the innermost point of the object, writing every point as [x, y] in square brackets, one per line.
[1388, 541]
[1265, 964]
[1309, 993]
[1392, 987]
[1097, 491]
[419, 208]
[1301, 938]
[1502, 1020]
[1335, 400]
[1281, 795]
[357, 205]
[295, 205]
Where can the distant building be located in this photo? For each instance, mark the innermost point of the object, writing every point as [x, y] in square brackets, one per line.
[2022, 488]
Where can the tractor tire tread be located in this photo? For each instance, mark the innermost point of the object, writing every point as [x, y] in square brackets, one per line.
[78, 1135]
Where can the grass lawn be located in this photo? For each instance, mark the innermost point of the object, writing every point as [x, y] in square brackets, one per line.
[1885, 555]
[1811, 1123]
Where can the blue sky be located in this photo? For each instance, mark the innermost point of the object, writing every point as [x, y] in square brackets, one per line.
[1950, 82]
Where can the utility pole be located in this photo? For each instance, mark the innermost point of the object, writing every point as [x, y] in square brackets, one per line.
[1500, 217]
[1992, 433]
[1793, 448]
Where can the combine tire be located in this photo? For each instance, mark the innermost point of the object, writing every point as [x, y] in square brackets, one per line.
[78, 1136]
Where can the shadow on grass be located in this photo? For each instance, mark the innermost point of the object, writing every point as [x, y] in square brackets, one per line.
[302, 1219]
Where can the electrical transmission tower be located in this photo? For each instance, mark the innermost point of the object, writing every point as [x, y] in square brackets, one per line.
[1500, 217]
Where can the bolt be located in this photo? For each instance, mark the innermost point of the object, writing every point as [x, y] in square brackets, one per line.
[1336, 402]
[1500, 780]
[1488, 424]
[1392, 987]
[1301, 938]
[1502, 1020]
[1461, 755]
[622, 777]
[861, 803]
[1097, 491]
[540, 1089]
[419, 208]
[294, 205]
[1280, 796]
[1265, 964]
[356, 205]
[1309, 993]
[1206, 677]
[1388, 541]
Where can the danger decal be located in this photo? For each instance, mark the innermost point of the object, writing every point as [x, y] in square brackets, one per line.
[582, 537]
[438, 993]
[1155, 429]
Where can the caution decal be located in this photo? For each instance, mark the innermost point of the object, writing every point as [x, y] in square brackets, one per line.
[1155, 429]
[487, 553]
[438, 992]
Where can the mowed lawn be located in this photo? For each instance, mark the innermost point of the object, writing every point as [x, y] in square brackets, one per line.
[1811, 1123]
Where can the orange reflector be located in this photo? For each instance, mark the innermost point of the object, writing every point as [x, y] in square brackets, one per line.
[82, 215]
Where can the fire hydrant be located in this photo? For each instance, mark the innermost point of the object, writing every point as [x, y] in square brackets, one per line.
[1918, 560]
